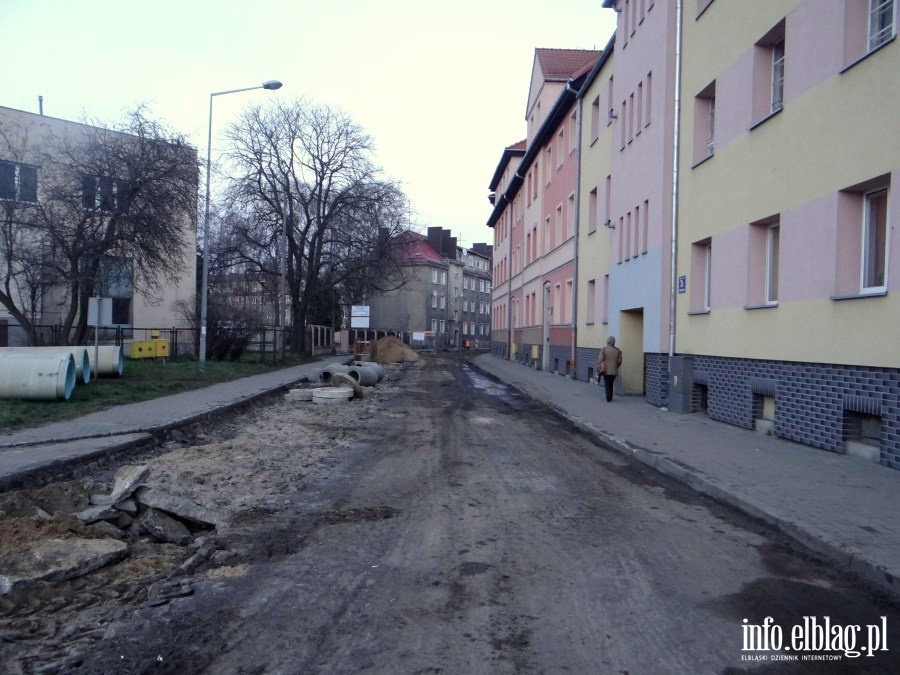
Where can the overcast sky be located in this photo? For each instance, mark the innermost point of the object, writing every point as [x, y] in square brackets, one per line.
[440, 86]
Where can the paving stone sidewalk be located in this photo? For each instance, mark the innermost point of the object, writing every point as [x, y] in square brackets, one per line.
[841, 506]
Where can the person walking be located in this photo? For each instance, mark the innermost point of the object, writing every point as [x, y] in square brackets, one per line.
[608, 365]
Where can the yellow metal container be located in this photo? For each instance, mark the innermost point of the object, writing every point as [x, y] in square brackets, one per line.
[141, 349]
[161, 348]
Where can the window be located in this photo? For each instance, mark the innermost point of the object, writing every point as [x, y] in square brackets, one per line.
[591, 301]
[443, 277]
[18, 182]
[639, 109]
[434, 326]
[573, 130]
[701, 273]
[99, 192]
[623, 126]
[592, 211]
[568, 295]
[121, 311]
[631, 117]
[607, 203]
[610, 105]
[768, 73]
[560, 147]
[595, 119]
[881, 22]
[434, 299]
[604, 308]
[560, 226]
[570, 214]
[434, 276]
[705, 123]
[646, 225]
[547, 164]
[874, 244]
[649, 91]
[777, 76]
[443, 326]
[625, 237]
[763, 253]
[443, 302]
[773, 244]
[637, 232]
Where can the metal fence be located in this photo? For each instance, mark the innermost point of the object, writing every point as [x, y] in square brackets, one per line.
[267, 344]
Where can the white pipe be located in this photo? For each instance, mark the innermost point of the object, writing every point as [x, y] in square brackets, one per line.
[676, 158]
[111, 361]
[80, 354]
[37, 378]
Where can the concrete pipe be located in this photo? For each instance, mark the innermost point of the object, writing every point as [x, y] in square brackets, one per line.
[37, 378]
[374, 366]
[367, 377]
[331, 369]
[111, 361]
[82, 363]
[332, 395]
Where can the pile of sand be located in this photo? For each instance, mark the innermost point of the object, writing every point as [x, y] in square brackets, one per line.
[391, 350]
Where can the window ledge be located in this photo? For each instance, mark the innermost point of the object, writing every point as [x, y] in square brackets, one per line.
[768, 305]
[700, 312]
[705, 159]
[857, 296]
[867, 55]
[766, 118]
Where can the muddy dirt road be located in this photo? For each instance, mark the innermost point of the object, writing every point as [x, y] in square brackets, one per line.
[445, 525]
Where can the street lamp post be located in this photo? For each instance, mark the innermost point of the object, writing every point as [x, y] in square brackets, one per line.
[268, 84]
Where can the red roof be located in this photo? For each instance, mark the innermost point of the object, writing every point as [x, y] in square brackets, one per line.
[561, 64]
[521, 145]
[417, 249]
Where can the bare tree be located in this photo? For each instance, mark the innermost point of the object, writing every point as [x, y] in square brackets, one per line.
[115, 206]
[311, 167]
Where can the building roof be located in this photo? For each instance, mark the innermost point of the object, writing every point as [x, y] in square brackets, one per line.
[510, 151]
[562, 64]
[417, 249]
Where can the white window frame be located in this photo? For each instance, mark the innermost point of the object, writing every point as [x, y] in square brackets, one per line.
[865, 252]
[443, 278]
[711, 130]
[434, 276]
[443, 302]
[434, 325]
[879, 30]
[777, 98]
[707, 271]
[773, 255]
[434, 299]
[443, 326]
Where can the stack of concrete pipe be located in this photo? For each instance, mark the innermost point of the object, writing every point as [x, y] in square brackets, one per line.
[79, 354]
[37, 377]
[41, 373]
[350, 381]
[111, 361]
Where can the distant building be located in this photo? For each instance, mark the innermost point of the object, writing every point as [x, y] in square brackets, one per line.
[446, 295]
[29, 167]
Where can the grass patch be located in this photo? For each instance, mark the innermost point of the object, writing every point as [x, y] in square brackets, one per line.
[143, 380]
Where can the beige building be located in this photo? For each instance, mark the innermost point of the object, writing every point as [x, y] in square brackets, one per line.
[48, 181]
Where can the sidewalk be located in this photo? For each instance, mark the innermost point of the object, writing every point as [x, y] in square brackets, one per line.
[27, 453]
[841, 506]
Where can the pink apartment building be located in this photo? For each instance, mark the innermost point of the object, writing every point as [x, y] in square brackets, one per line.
[734, 188]
[534, 220]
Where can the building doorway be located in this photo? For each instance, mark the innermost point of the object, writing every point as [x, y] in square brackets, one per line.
[631, 341]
